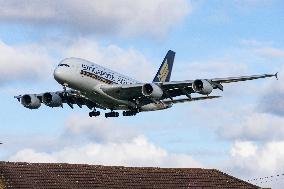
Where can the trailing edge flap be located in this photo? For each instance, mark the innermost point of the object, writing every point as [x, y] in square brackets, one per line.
[189, 99]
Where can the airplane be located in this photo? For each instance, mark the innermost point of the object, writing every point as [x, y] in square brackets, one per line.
[97, 87]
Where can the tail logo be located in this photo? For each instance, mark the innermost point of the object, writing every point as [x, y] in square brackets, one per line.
[164, 72]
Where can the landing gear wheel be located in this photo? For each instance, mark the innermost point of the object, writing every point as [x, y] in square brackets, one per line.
[112, 114]
[129, 113]
[94, 113]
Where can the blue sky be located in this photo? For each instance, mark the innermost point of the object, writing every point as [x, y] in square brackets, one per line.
[241, 133]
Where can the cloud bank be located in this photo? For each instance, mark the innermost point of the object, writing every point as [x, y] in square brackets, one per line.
[128, 61]
[254, 126]
[272, 100]
[36, 62]
[124, 17]
[24, 63]
[106, 144]
[252, 160]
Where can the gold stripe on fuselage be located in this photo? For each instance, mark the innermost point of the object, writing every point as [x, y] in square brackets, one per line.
[94, 76]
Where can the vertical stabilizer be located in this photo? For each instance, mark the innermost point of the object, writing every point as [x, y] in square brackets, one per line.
[164, 73]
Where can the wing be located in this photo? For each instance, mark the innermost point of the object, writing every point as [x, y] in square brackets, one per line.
[131, 92]
[73, 97]
[243, 78]
[57, 99]
[171, 89]
[184, 87]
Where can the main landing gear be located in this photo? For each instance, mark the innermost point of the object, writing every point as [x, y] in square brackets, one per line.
[94, 113]
[129, 113]
[111, 114]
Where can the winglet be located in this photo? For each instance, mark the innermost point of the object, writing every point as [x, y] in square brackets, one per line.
[276, 75]
[18, 97]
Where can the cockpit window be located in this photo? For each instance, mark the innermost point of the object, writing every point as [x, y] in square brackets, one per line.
[64, 65]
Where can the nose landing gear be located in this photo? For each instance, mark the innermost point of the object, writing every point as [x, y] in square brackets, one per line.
[64, 85]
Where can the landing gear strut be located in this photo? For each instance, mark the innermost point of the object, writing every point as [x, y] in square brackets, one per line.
[94, 113]
[64, 89]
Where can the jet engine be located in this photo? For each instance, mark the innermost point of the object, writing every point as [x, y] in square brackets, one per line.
[202, 86]
[52, 99]
[152, 90]
[30, 101]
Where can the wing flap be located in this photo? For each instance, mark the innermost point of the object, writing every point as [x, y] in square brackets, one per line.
[75, 97]
[123, 92]
[183, 100]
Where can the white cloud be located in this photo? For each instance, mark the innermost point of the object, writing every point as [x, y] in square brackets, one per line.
[271, 100]
[250, 160]
[108, 16]
[98, 129]
[263, 48]
[23, 62]
[128, 61]
[270, 52]
[243, 149]
[36, 62]
[254, 126]
[107, 143]
[30, 155]
[136, 152]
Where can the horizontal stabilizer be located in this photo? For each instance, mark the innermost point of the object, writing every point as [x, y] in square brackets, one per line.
[189, 99]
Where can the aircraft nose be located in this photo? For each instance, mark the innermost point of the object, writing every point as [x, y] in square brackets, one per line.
[59, 75]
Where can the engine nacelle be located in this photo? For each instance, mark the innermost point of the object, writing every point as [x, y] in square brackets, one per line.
[152, 90]
[52, 99]
[30, 101]
[202, 86]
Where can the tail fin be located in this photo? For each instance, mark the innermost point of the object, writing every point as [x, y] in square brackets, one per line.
[164, 73]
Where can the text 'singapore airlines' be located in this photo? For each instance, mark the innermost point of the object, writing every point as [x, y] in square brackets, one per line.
[96, 87]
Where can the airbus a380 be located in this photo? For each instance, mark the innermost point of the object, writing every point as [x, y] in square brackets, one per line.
[97, 87]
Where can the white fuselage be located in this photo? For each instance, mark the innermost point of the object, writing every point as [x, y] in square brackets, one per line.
[88, 78]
